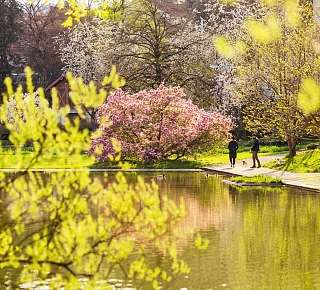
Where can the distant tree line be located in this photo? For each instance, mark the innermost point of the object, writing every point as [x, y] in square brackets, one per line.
[27, 37]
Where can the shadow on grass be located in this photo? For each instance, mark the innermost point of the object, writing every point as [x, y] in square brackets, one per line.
[134, 164]
[308, 161]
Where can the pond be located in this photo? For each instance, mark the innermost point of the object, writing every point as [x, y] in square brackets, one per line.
[259, 238]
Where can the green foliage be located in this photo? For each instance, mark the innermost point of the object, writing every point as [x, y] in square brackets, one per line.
[280, 63]
[270, 104]
[78, 10]
[200, 243]
[309, 96]
[264, 33]
[256, 179]
[228, 49]
[70, 225]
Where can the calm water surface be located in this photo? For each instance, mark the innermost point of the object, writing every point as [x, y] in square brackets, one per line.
[259, 238]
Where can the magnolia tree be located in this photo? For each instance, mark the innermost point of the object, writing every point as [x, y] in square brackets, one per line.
[156, 125]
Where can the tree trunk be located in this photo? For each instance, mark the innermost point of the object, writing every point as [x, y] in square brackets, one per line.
[292, 142]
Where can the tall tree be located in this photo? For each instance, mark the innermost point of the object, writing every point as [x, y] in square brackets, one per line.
[10, 11]
[269, 78]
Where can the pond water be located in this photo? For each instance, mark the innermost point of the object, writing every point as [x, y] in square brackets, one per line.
[259, 238]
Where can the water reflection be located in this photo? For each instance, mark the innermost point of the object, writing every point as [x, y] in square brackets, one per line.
[259, 238]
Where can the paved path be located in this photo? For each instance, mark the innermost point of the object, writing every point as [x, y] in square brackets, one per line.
[303, 180]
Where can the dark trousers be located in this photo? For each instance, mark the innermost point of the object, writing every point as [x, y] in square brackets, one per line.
[232, 159]
[255, 158]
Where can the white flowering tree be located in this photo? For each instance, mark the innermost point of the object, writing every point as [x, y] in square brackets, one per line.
[227, 18]
[149, 47]
[222, 18]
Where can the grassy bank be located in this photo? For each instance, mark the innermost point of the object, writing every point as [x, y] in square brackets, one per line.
[9, 159]
[12, 160]
[259, 179]
[303, 162]
[192, 161]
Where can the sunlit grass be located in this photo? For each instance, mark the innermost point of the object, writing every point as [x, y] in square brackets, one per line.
[256, 179]
[303, 162]
[9, 159]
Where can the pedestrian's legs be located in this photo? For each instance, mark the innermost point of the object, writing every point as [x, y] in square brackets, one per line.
[230, 158]
[255, 158]
[233, 161]
[254, 153]
[258, 161]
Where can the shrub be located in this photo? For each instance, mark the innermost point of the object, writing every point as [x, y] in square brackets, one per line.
[156, 125]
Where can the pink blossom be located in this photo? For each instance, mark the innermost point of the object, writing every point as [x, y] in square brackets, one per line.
[157, 124]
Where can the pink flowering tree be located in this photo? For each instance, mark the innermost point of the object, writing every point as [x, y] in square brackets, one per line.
[157, 124]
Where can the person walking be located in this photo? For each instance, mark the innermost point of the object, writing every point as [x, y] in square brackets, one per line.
[254, 150]
[233, 147]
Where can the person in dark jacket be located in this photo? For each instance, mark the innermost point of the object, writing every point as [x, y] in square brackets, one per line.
[254, 150]
[233, 147]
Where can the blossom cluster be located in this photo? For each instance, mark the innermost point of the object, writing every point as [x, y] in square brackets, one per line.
[156, 124]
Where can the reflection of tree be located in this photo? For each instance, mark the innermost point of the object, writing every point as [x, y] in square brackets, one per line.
[206, 199]
[270, 240]
[277, 240]
[116, 217]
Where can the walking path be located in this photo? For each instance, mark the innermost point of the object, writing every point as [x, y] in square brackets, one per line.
[310, 181]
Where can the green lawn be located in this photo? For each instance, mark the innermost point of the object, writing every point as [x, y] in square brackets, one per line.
[304, 162]
[9, 159]
[308, 161]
